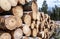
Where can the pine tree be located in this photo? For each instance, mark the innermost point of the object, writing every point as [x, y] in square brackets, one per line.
[44, 7]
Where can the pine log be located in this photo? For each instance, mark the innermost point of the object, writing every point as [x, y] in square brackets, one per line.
[22, 2]
[5, 5]
[18, 34]
[5, 36]
[42, 15]
[50, 33]
[38, 38]
[34, 32]
[26, 30]
[2, 22]
[27, 19]
[38, 16]
[25, 37]
[28, 13]
[18, 11]
[13, 2]
[1, 10]
[11, 22]
[42, 33]
[30, 37]
[46, 32]
[34, 10]
[19, 22]
[37, 25]
[33, 25]
[42, 25]
[46, 15]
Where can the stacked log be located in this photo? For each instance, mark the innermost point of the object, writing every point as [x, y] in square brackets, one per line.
[7, 4]
[5, 35]
[18, 34]
[24, 24]
[10, 22]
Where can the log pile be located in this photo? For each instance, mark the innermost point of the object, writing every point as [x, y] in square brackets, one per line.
[24, 23]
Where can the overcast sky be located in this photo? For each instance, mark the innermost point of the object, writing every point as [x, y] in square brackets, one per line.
[51, 3]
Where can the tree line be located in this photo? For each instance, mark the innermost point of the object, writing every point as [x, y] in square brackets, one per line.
[55, 13]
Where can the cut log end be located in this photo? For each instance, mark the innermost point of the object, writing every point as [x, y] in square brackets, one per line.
[25, 37]
[5, 5]
[13, 2]
[34, 33]
[38, 16]
[18, 33]
[19, 22]
[34, 10]
[10, 22]
[33, 25]
[26, 30]
[27, 19]
[5, 36]
[18, 11]
[22, 2]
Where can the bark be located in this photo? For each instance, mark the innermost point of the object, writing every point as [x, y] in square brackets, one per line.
[1, 10]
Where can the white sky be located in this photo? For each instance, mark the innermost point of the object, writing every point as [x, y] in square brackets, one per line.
[50, 3]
